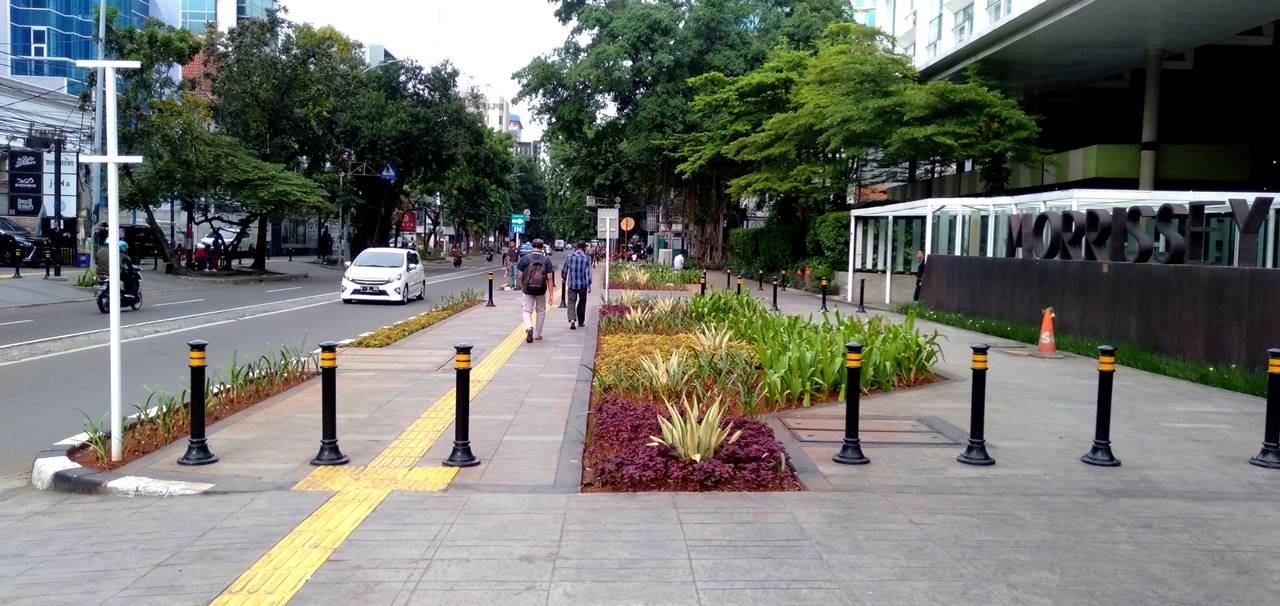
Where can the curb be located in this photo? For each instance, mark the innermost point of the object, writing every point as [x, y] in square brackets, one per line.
[243, 279]
[54, 471]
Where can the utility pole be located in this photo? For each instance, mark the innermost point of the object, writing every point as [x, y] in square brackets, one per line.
[57, 204]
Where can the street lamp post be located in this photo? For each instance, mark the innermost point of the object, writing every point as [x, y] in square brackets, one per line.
[111, 159]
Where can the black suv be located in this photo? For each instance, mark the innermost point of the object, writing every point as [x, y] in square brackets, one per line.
[16, 240]
[142, 242]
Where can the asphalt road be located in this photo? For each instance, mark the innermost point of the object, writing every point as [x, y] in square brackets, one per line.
[45, 385]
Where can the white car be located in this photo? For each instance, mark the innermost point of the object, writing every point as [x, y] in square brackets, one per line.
[384, 274]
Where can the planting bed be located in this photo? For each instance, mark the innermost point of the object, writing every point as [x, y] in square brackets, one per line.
[723, 353]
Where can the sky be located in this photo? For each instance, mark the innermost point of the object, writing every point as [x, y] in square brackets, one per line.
[487, 40]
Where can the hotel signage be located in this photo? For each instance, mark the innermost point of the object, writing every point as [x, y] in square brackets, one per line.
[1101, 234]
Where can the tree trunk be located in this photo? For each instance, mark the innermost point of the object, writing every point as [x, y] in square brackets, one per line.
[171, 264]
[260, 255]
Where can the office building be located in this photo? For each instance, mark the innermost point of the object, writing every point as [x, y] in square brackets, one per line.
[40, 41]
[197, 14]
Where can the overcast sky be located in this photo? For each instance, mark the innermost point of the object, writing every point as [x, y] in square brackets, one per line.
[487, 40]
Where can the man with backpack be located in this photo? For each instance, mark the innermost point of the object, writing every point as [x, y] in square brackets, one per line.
[537, 277]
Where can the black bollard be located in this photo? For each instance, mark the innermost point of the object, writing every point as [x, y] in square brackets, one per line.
[461, 455]
[851, 452]
[976, 453]
[1100, 454]
[17, 264]
[1269, 456]
[48, 263]
[490, 303]
[739, 285]
[760, 280]
[329, 453]
[784, 280]
[824, 294]
[862, 290]
[702, 284]
[291, 254]
[562, 282]
[775, 293]
[197, 446]
[728, 277]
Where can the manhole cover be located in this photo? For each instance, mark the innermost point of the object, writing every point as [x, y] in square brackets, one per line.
[899, 430]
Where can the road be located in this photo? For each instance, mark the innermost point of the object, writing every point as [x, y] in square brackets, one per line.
[54, 360]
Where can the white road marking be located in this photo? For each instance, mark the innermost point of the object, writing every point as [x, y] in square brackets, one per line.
[284, 289]
[176, 303]
[166, 333]
[1198, 425]
[186, 317]
[15, 322]
[175, 331]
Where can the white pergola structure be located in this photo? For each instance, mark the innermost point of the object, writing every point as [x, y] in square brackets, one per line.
[884, 238]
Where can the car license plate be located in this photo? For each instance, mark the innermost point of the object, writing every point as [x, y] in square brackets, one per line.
[370, 290]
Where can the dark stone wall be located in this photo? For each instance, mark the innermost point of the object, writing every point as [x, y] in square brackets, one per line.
[1198, 312]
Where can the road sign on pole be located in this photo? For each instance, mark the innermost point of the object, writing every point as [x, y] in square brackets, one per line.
[517, 223]
[607, 223]
[388, 173]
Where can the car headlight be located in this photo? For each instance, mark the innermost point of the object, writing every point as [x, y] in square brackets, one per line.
[396, 278]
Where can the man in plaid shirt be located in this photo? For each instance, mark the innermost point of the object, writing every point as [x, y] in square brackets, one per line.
[576, 273]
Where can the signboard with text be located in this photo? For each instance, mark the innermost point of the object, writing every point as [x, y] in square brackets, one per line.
[517, 223]
[26, 181]
[607, 223]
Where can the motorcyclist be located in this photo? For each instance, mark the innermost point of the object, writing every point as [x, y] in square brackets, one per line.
[457, 255]
[102, 264]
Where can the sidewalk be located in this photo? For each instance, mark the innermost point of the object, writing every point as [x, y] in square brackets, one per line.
[1185, 520]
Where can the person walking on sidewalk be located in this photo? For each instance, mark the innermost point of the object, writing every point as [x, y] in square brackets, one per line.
[919, 275]
[512, 258]
[537, 275]
[576, 274]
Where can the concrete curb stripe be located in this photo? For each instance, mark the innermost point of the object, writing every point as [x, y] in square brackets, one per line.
[282, 571]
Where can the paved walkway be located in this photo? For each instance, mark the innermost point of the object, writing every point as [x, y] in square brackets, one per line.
[1185, 520]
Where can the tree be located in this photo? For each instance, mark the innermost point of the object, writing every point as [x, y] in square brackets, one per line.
[279, 89]
[160, 49]
[616, 94]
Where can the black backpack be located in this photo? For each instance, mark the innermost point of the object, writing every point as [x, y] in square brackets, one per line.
[535, 276]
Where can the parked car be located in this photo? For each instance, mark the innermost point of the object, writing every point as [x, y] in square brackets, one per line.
[16, 240]
[384, 274]
[559, 245]
[525, 248]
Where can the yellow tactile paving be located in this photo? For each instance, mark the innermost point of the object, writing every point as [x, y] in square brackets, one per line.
[279, 574]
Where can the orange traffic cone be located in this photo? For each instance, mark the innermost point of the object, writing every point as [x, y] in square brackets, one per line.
[1046, 348]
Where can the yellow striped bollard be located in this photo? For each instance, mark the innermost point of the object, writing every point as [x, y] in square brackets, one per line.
[1101, 454]
[1270, 455]
[197, 446]
[329, 453]
[462, 455]
[976, 452]
[851, 451]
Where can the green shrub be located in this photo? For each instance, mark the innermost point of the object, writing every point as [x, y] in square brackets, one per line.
[828, 238]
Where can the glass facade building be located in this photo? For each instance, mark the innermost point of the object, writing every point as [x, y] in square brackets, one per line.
[197, 13]
[46, 37]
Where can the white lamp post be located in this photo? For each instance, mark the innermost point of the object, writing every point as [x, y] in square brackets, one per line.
[111, 159]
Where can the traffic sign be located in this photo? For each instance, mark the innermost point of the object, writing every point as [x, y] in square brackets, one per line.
[517, 223]
[388, 172]
[607, 223]
[628, 224]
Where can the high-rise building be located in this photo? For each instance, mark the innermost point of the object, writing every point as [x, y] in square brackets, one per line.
[1167, 94]
[40, 40]
[197, 14]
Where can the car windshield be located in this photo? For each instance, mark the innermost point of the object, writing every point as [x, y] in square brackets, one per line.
[370, 258]
[11, 227]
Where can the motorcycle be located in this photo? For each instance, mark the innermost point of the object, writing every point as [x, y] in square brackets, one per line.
[488, 256]
[127, 299]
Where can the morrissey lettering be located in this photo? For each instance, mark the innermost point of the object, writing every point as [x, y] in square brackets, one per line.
[1103, 234]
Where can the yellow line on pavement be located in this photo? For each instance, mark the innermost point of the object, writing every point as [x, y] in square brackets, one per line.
[282, 571]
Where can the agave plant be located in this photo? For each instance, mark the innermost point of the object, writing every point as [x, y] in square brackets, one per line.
[694, 438]
[709, 339]
[664, 306]
[665, 374]
[631, 298]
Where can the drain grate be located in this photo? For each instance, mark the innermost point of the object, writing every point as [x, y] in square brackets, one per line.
[881, 430]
